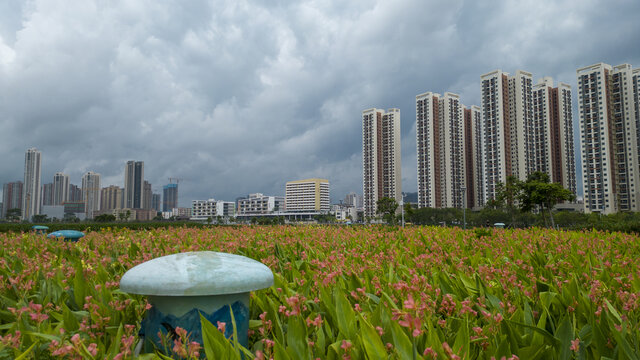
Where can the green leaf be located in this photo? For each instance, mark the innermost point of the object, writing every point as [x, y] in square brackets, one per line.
[462, 342]
[70, 321]
[613, 311]
[345, 315]
[401, 341]
[565, 334]
[297, 338]
[27, 352]
[44, 336]
[373, 346]
[279, 353]
[215, 345]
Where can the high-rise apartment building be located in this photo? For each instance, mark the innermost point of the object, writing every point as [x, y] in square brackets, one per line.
[169, 197]
[111, 198]
[507, 109]
[552, 133]
[310, 195]
[354, 200]
[610, 137]
[91, 193]
[156, 202]
[474, 156]
[448, 139]
[75, 193]
[47, 194]
[11, 197]
[60, 188]
[31, 190]
[134, 185]
[381, 157]
[148, 195]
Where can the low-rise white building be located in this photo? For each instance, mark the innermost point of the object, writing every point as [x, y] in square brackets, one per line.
[205, 209]
[344, 212]
[258, 203]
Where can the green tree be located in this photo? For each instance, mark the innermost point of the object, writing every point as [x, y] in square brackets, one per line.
[539, 192]
[39, 218]
[387, 207]
[13, 214]
[105, 218]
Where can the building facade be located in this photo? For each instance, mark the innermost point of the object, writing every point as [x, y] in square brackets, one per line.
[31, 190]
[148, 196]
[75, 193]
[60, 188]
[169, 197]
[381, 157]
[609, 137]
[354, 200]
[91, 193]
[448, 152]
[552, 129]
[309, 195]
[134, 185]
[474, 157]
[528, 128]
[156, 202]
[11, 197]
[256, 204]
[47, 194]
[110, 198]
[202, 210]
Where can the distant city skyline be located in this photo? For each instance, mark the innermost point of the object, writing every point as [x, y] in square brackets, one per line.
[237, 106]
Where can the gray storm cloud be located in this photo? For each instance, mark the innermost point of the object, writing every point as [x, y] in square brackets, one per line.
[240, 96]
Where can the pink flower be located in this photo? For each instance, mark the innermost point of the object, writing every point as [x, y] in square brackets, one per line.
[379, 330]
[93, 349]
[429, 351]
[75, 339]
[575, 345]
[346, 345]
[222, 326]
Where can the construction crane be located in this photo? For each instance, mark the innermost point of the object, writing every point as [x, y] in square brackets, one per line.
[176, 179]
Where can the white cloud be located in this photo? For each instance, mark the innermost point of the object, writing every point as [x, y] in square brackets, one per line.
[242, 96]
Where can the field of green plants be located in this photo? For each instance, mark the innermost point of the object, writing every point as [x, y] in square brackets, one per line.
[340, 293]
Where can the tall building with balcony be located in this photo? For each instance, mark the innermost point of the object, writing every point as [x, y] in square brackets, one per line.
[60, 188]
[610, 137]
[11, 197]
[381, 157]
[156, 202]
[110, 198]
[148, 195]
[47, 194]
[91, 193]
[31, 190]
[507, 110]
[310, 195]
[474, 156]
[552, 130]
[75, 193]
[447, 134]
[169, 197]
[134, 185]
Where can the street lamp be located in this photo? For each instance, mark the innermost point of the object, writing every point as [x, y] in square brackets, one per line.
[402, 208]
[464, 206]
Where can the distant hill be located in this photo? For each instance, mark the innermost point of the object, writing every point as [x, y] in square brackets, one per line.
[411, 197]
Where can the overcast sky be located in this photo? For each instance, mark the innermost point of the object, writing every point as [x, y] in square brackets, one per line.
[240, 96]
